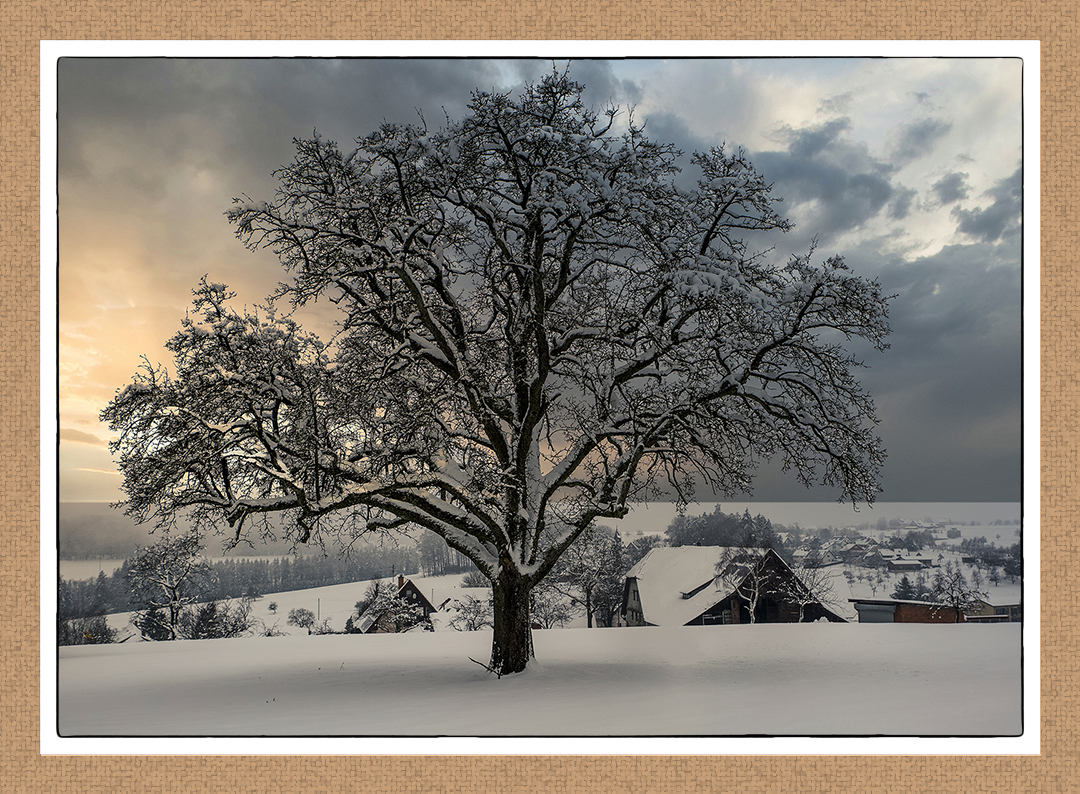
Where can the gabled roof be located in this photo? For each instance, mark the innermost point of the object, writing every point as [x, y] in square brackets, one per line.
[665, 574]
[408, 584]
[905, 563]
[370, 617]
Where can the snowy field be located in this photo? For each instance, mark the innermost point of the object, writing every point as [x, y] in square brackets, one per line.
[776, 679]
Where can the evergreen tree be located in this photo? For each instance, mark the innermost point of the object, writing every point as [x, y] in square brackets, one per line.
[905, 590]
[85, 631]
[1014, 563]
[208, 622]
[102, 598]
[153, 624]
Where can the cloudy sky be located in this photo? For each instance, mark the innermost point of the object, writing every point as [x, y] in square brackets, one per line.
[909, 167]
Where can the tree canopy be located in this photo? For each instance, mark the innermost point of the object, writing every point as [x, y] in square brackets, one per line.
[537, 327]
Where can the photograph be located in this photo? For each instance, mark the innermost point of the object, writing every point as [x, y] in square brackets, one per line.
[442, 394]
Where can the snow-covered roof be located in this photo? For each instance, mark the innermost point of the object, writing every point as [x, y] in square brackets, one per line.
[801, 553]
[665, 574]
[890, 601]
[1003, 595]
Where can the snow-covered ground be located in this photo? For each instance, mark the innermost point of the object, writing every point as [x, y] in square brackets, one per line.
[773, 680]
[776, 679]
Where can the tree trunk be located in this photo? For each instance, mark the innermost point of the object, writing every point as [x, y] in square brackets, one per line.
[511, 646]
[174, 616]
[752, 603]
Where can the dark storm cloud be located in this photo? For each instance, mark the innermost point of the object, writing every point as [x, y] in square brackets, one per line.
[902, 201]
[811, 141]
[151, 152]
[238, 117]
[949, 387]
[962, 293]
[842, 182]
[951, 187]
[1001, 218]
[672, 129]
[602, 87]
[241, 115]
[917, 139]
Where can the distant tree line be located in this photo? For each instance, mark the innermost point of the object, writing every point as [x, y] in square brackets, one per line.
[438, 559]
[912, 540]
[110, 593]
[992, 558]
[722, 529]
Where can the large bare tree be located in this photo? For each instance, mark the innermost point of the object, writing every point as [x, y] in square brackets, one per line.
[537, 327]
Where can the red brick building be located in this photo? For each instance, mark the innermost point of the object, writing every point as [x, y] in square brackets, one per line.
[888, 610]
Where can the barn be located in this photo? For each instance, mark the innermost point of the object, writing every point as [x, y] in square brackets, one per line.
[681, 587]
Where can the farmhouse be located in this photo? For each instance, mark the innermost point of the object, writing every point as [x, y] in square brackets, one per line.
[820, 557]
[382, 620]
[994, 611]
[680, 587]
[851, 551]
[904, 565]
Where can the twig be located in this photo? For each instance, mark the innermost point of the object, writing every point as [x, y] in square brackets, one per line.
[490, 669]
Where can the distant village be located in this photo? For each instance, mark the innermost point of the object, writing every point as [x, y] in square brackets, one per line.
[921, 572]
[715, 569]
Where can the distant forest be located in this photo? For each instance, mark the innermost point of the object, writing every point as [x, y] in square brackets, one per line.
[256, 577]
[89, 530]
